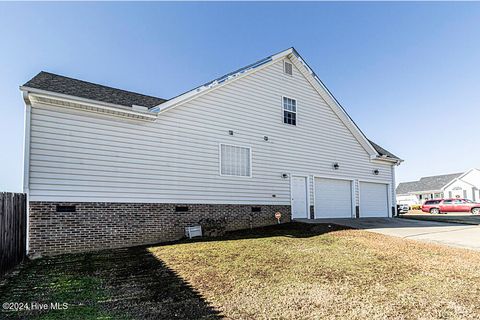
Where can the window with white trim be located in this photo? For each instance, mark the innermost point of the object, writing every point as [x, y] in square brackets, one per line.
[289, 111]
[235, 161]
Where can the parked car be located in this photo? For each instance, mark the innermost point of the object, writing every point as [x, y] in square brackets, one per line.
[402, 208]
[436, 206]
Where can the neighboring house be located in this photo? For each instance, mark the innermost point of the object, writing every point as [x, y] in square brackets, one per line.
[456, 185]
[108, 168]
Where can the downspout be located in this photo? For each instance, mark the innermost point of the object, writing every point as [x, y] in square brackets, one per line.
[394, 194]
[26, 163]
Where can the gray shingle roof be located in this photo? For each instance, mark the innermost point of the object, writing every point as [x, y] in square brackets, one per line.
[427, 183]
[382, 151]
[78, 88]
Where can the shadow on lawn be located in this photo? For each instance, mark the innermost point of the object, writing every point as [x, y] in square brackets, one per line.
[116, 284]
[144, 287]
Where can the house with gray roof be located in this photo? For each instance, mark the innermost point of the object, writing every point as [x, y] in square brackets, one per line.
[106, 167]
[464, 185]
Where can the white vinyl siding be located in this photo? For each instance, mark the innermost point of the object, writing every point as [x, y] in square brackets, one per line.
[80, 156]
[235, 161]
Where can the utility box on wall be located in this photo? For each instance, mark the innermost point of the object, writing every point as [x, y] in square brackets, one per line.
[195, 231]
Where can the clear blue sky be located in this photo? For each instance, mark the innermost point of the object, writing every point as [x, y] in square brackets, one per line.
[407, 73]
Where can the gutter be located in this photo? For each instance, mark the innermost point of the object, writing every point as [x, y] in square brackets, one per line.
[387, 159]
[89, 102]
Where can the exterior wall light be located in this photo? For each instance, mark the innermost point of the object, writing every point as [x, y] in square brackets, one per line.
[265, 138]
[336, 166]
[376, 172]
[230, 132]
[284, 175]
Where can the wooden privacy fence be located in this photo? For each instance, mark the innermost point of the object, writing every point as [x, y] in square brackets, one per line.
[13, 229]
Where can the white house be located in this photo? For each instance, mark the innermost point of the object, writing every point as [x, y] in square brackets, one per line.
[465, 186]
[455, 185]
[107, 168]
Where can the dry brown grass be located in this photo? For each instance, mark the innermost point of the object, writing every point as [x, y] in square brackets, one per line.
[297, 272]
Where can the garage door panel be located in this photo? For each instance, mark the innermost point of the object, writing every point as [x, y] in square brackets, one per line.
[333, 198]
[373, 199]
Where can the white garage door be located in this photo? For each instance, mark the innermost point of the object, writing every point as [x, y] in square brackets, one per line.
[333, 198]
[373, 200]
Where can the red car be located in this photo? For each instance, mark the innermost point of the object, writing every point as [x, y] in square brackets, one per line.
[437, 206]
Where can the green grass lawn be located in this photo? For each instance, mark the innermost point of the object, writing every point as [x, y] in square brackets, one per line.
[292, 271]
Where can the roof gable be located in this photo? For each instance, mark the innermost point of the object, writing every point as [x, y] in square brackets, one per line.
[464, 177]
[432, 183]
[374, 150]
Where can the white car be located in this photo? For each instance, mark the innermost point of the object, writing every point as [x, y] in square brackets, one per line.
[403, 208]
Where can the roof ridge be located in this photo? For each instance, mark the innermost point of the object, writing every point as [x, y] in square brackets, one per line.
[442, 175]
[226, 75]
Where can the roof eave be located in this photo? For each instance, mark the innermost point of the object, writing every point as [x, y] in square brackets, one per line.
[458, 179]
[421, 191]
[148, 114]
[387, 159]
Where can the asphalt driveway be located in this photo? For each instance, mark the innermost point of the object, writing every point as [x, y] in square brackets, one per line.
[465, 218]
[450, 234]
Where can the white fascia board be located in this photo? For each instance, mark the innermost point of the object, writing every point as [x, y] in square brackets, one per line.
[457, 180]
[467, 172]
[383, 160]
[220, 82]
[448, 184]
[88, 102]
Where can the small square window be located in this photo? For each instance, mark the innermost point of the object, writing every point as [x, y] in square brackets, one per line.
[289, 111]
[288, 68]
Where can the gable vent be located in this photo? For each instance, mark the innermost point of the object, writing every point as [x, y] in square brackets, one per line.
[288, 68]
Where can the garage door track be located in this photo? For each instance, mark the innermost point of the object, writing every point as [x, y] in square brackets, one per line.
[450, 234]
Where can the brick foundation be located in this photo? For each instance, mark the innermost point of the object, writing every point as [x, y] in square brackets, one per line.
[100, 225]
